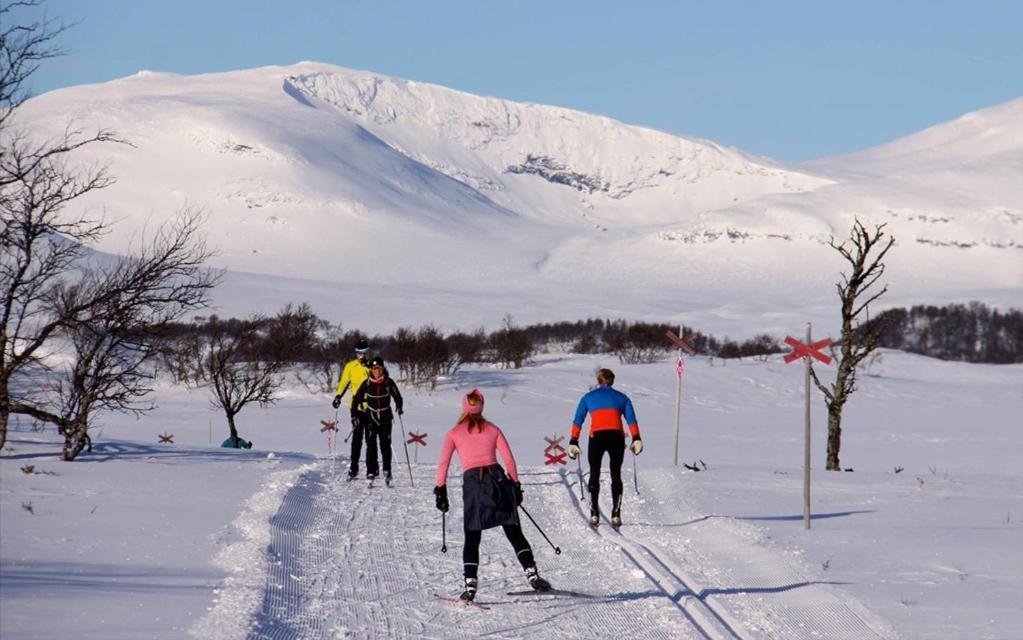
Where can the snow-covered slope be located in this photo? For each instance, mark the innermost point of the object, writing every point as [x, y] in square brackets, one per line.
[318, 172]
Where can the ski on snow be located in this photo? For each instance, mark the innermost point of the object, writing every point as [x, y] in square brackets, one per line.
[552, 592]
[464, 603]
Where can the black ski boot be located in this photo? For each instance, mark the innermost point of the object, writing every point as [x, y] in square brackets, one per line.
[594, 517]
[616, 514]
[470, 590]
[351, 475]
[535, 581]
[387, 478]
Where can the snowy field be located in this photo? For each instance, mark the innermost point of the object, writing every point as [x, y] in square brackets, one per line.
[390, 203]
[146, 540]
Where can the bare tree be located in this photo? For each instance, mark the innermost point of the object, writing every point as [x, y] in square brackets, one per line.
[246, 365]
[116, 343]
[511, 345]
[422, 356]
[22, 48]
[54, 299]
[864, 251]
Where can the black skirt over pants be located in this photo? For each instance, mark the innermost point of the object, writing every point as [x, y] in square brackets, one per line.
[489, 498]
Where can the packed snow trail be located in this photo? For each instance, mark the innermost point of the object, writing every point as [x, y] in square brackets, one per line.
[729, 586]
[347, 561]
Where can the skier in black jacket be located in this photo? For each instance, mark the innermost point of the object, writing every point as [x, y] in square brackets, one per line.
[375, 394]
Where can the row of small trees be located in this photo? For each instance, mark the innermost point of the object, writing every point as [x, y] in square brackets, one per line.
[971, 332]
[317, 349]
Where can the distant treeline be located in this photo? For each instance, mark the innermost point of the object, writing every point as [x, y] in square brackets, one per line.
[970, 332]
[424, 353]
[973, 332]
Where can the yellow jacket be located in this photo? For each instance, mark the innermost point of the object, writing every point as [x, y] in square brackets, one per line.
[353, 375]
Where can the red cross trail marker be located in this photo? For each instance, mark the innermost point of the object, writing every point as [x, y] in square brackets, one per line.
[331, 429]
[554, 443]
[415, 438]
[800, 350]
[555, 459]
[166, 438]
[807, 351]
[685, 344]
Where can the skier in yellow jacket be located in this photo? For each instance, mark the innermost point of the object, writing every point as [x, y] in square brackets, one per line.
[354, 374]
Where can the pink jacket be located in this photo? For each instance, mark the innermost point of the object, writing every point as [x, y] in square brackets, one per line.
[477, 449]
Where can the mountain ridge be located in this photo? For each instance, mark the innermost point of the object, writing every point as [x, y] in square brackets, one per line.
[320, 172]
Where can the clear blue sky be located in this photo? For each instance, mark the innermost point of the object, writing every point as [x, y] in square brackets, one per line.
[792, 80]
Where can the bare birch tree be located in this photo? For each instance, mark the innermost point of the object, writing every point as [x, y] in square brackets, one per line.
[864, 251]
[247, 364]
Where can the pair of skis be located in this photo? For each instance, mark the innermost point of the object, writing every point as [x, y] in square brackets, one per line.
[549, 592]
[370, 481]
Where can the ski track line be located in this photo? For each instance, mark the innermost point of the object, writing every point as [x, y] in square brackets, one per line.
[346, 561]
[760, 596]
[694, 608]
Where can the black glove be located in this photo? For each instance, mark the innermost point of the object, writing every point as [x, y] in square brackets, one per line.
[518, 492]
[401, 411]
[442, 498]
[355, 419]
[337, 402]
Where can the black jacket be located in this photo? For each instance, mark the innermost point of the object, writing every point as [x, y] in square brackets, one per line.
[377, 395]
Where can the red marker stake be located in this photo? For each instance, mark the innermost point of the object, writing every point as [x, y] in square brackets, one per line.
[683, 344]
[807, 352]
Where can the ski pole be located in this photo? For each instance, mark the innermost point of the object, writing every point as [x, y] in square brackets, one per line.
[443, 532]
[635, 477]
[350, 432]
[557, 550]
[330, 437]
[582, 491]
[402, 423]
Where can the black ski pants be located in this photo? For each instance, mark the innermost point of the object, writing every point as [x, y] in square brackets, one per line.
[360, 422]
[613, 444]
[471, 550]
[378, 436]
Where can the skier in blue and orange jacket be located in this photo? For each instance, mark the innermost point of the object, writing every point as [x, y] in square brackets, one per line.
[607, 408]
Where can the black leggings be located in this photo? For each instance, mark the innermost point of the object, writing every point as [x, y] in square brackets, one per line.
[374, 432]
[360, 420]
[613, 443]
[471, 551]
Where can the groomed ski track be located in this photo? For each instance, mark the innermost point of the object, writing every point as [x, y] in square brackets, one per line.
[347, 561]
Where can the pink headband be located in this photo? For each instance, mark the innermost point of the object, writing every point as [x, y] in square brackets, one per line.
[468, 408]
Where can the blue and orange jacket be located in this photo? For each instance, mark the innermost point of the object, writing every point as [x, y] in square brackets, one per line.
[606, 407]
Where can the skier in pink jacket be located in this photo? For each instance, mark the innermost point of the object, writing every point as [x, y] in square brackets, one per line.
[490, 496]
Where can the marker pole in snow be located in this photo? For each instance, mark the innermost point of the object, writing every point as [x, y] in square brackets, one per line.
[402, 423]
[684, 345]
[557, 550]
[807, 352]
[806, 443]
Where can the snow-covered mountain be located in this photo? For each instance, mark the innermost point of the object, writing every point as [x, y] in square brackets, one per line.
[316, 172]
